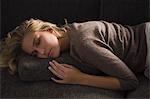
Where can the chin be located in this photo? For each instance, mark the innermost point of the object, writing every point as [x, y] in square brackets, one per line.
[56, 55]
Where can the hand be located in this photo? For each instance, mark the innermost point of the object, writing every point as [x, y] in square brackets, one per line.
[67, 73]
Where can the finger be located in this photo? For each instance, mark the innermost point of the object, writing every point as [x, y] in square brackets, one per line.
[57, 81]
[60, 66]
[56, 63]
[56, 68]
[70, 67]
[55, 72]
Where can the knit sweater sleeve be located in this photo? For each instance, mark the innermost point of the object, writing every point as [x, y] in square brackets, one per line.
[105, 61]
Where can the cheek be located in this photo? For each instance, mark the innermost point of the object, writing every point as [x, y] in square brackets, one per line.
[27, 45]
[51, 41]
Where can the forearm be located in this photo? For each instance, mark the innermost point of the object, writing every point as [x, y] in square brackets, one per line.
[105, 82]
[71, 75]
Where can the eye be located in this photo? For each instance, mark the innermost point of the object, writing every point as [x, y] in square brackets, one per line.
[38, 41]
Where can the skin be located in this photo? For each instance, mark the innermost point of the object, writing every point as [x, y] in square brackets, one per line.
[71, 75]
[45, 41]
[68, 73]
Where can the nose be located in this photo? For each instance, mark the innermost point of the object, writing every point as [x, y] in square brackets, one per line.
[40, 51]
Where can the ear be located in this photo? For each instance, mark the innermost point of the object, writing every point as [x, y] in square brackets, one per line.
[54, 32]
[50, 30]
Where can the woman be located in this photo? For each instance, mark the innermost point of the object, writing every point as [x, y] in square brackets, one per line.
[119, 51]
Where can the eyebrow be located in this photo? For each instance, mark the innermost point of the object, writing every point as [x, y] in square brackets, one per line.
[33, 42]
[33, 45]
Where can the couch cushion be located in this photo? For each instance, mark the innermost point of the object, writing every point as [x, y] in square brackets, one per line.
[54, 11]
[13, 87]
[143, 90]
[129, 12]
[34, 69]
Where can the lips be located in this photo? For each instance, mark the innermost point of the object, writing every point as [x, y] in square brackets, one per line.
[50, 53]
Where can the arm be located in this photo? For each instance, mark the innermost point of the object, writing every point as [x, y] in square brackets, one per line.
[105, 61]
[106, 82]
[71, 75]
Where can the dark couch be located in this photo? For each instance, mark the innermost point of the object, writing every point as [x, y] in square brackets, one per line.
[121, 11]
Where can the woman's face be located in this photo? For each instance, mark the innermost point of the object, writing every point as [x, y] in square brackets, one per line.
[42, 44]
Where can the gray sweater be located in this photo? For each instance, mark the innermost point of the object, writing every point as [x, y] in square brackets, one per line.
[118, 51]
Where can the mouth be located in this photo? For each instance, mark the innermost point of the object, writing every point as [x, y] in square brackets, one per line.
[50, 53]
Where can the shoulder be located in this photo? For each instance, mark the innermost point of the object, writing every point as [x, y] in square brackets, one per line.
[83, 30]
[87, 24]
[84, 27]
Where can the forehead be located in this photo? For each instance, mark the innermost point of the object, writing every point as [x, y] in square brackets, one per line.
[27, 42]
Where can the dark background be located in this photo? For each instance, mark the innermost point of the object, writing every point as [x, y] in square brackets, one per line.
[131, 12]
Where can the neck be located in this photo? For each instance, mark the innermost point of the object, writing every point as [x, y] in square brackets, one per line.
[64, 42]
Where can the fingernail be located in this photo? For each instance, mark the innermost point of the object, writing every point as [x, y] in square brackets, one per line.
[51, 78]
[49, 67]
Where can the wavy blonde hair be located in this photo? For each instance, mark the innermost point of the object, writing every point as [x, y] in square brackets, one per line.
[11, 45]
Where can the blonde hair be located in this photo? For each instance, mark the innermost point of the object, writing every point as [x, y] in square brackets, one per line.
[11, 45]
